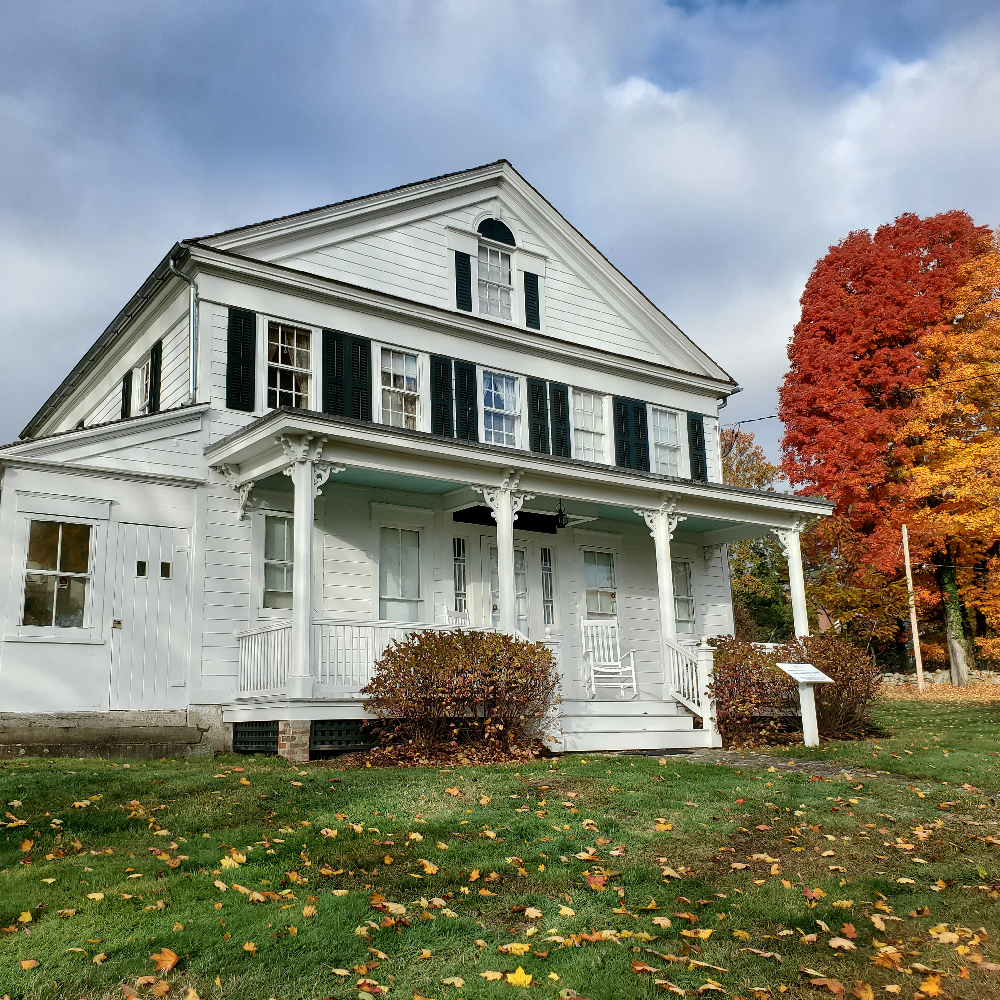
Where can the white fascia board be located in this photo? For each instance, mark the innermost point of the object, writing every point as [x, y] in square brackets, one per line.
[96, 472]
[256, 454]
[303, 284]
[302, 231]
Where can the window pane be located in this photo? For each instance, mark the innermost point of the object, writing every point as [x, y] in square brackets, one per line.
[388, 563]
[278, 538]
[277, 599]
[71, 592]
[600, 570]
[39, 599]
[43, 545]
[682, 579]
[278, 576]
[74, 555]
[409, 564]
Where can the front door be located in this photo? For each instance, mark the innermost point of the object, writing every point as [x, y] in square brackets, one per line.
[149, 634]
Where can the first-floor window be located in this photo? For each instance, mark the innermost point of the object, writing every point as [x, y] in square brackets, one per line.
[57, 574]
[288, 366]
[666, 443]
[400, 389]
[588, 426]
[278, 561]
[520, 589]
[683, 597]
[399, 575]
[599, 576]
[500, 409]
[461, 576]
[548, 590]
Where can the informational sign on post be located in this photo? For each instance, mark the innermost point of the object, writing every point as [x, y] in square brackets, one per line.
[807, 677]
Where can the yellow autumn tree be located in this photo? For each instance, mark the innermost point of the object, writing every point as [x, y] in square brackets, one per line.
[955, 479]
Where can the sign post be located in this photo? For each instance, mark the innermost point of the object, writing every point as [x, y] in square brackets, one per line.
[808, 677]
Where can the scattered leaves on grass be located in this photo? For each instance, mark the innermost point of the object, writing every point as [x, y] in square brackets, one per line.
[164, 960]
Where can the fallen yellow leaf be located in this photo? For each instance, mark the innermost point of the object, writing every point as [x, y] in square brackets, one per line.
[29, 963]
[491, 976]
[519, 978]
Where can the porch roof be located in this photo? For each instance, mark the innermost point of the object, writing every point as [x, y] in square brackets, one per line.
[419, 462]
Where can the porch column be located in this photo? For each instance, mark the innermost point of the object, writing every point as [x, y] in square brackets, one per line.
[662, 521]
[789, 541]
[505, 501]
[308, 474]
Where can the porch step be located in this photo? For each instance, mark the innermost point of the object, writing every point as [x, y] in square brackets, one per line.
[651, 740]
[610, 709]
[626, 724]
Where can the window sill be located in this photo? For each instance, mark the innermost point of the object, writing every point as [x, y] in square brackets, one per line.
[79, 637]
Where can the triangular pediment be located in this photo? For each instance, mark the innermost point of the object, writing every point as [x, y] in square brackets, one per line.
[399, 242]
[169, 445]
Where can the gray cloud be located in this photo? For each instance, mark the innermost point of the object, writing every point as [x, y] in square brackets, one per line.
[712, 150]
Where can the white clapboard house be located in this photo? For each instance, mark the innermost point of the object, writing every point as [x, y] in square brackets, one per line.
[436, 406]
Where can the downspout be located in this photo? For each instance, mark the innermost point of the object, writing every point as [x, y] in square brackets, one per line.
[192, 329]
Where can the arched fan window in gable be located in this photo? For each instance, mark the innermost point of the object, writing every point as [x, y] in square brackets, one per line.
[495, 284]
[494, 229]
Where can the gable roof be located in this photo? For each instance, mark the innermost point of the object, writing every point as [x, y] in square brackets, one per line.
[620, 292]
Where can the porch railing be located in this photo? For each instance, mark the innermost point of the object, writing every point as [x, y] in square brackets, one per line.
[344, 653]
[683, 682]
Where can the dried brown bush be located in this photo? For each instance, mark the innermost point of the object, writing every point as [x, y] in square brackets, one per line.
[754, 699]
[442, 687]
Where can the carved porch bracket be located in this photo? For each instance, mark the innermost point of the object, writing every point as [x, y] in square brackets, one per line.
[231, 475]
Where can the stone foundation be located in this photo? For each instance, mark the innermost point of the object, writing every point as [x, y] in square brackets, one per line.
[293, 740]
[195, 732]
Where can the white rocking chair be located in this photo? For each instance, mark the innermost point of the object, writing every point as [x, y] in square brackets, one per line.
[458, 619]
[607, 665]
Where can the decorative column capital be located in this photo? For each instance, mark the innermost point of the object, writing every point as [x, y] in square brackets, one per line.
[786, 535]
[231, 475]
[492, 494]
[301, 447]
[653, 516]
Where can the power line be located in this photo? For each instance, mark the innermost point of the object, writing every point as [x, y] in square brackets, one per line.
[916, 388]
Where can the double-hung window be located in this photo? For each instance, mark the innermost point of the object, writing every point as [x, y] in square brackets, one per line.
[278, 561]
[588, 426]
[520, 589]
[599, 576]
[460, 568]
[683, 596]
[494, 282]
[288, 365]
[500, 409]
[142, 382]
[399, 575]
[666, 442]
[57, 574]
[548, 588]
[400, 388]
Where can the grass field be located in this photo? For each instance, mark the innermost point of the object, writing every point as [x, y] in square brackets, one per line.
[586, 870]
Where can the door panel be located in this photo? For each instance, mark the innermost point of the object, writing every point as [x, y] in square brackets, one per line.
[149, 635]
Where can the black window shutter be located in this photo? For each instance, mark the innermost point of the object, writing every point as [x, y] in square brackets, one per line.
[127, 395]
[442, 397]
[696, 447]
[242, 360]
[559, 419]
[360, 378]
[463, 281]
[631, 434]
[333, 372]
[538, 416]
[155, 376]
[465, 398]
[532, 316]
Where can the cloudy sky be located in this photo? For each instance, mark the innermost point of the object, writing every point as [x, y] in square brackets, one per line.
[713, 150]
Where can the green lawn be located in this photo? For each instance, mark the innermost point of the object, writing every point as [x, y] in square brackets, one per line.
[943, 741]
[125, 861]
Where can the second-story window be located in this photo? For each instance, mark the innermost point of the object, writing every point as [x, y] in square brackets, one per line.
[588, 426]
[500, 409]
[288, 365]
[400, 389]
[666, 442]
[142, 383]
[494, 282]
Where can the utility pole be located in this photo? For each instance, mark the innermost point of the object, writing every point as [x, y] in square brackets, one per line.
[913, 611]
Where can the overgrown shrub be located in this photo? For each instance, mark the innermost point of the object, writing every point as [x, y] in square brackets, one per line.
[753, 698]
[442, 687]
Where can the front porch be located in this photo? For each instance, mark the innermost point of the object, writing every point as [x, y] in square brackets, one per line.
[391, 532]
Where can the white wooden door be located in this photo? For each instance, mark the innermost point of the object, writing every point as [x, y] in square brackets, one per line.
[149, 634]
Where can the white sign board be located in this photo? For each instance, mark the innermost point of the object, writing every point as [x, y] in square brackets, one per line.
[807, 676]
[805, 673]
